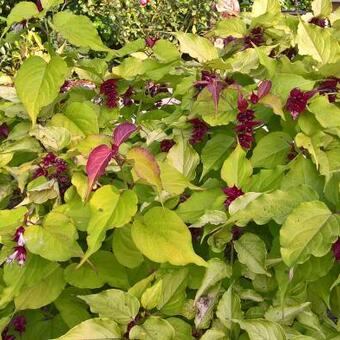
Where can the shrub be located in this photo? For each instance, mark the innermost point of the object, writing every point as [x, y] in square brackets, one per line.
[173, 190]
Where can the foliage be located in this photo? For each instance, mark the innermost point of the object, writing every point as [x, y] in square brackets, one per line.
[184, 189]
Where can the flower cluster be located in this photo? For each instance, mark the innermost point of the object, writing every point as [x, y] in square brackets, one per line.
[297, 101]
[245, 123]
[53, 167]
[336, 249]
[19, 253]
[4, 131]
[126, 97]
[321, 22]
[330, 87]
[167, 144]
[232, 193]
[200, 128]
[19, 325]
[254, 38]
[109, 89]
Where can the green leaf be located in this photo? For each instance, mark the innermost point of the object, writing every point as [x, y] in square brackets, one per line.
[327, 114]
[125, 209]
[214, 151]
[152, 295]
[163, 237]
[322, 8]
[310, 144]
[229, 308]
[317, 43]
[260, 329]
[183, 330]
[184, 158]
[261, 208]
[285, 315]
[55, 240]
[236, 169]
[234, 26]
[302, 171]
[43, 292]
[114, 304]
[266, 6]
[271, 150]
[283, 83]
[103, 204]
[102, 268]
[78, 30]
[52, 138]
[251, 251]
[71, 308]
[154, 328]
[145, 166]
[97, 328]
[84, 116]
[16, 277]
[129, 68]
[79, 180]
[310, 229]
[200, 202]
[165, 51]
[124, 248]
[173, 181]
[10, 220]
[216, 271]
[173, 295]
[267, 180]
[244, 61]
[197, 47]
[38, 83]
[22, 11]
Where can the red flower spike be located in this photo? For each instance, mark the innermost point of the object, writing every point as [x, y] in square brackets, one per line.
[336, 249]
[297, 101]
[19, 323]
[232, 193]
[200, 128]
[242, 103]
[4, 131]
[254, 98]
[167, 144]
[321, 22]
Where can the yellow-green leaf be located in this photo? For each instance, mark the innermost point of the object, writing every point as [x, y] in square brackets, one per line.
[38, 83]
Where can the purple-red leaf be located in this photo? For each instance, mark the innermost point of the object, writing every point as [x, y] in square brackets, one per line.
[97, 162]
[264, 88]
[122, 132]
[215, 87]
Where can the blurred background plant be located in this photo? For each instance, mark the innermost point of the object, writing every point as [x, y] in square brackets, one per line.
[119, 21]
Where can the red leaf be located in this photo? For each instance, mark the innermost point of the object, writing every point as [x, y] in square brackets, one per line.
[215, 87]
[97, 162]
[122, 132]
[264, 88]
